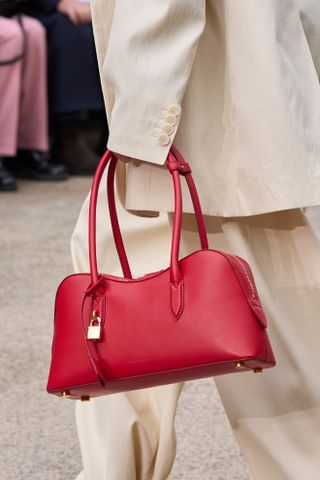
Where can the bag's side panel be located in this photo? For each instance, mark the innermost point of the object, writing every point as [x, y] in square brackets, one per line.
[70, 364]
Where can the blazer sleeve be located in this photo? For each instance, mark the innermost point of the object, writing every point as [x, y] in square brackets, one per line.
[151, 49]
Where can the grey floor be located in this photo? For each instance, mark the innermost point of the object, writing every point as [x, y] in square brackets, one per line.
[37, 434]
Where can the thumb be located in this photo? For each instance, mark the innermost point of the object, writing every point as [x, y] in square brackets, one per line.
[123, 158]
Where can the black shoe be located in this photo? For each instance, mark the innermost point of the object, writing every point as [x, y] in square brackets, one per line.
[7, 181]
[36, 166]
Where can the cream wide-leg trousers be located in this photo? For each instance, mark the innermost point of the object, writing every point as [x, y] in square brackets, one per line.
[275, 416]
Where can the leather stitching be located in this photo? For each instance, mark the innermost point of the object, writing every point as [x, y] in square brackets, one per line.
[254, 304]
[178, 313]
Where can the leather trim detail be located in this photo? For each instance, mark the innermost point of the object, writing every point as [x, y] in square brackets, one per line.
[90, 346]
[177, 299]
[182, 167]
[237, 264]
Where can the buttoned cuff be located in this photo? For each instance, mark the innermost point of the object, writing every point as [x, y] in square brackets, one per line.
[153, 146]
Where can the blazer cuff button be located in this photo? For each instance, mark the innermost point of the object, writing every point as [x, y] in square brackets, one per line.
[168, 129]
[174, 109]
[164, 139]
[171, 119]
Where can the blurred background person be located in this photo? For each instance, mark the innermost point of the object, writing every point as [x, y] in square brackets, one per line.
[75, 99]
[23, 101]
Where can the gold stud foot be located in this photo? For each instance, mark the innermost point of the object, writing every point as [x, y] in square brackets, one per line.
[258, 370]
[239, 365]
[85, 398]
[65, 394]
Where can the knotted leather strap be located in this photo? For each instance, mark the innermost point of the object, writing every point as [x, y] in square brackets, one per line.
[185, 170]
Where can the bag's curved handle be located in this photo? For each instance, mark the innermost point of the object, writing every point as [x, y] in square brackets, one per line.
[185, 170]
[177, 166]
[114, 218]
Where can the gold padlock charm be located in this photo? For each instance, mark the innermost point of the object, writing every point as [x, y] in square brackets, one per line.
[94, 329]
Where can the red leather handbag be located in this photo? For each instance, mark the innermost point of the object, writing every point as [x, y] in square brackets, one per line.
[200, 317]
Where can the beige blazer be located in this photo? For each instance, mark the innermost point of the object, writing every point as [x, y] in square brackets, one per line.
[234, 84]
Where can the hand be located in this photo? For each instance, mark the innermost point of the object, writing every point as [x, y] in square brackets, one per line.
[122, 158]
[84, 12]
[76, 11]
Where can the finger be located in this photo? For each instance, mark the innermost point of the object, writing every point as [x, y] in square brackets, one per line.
[79, 13]
[123, 158]
[72, 14]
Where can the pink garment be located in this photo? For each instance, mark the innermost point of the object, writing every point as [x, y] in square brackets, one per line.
[23, 89]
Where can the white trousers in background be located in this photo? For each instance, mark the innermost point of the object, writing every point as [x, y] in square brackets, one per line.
[275, 416]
